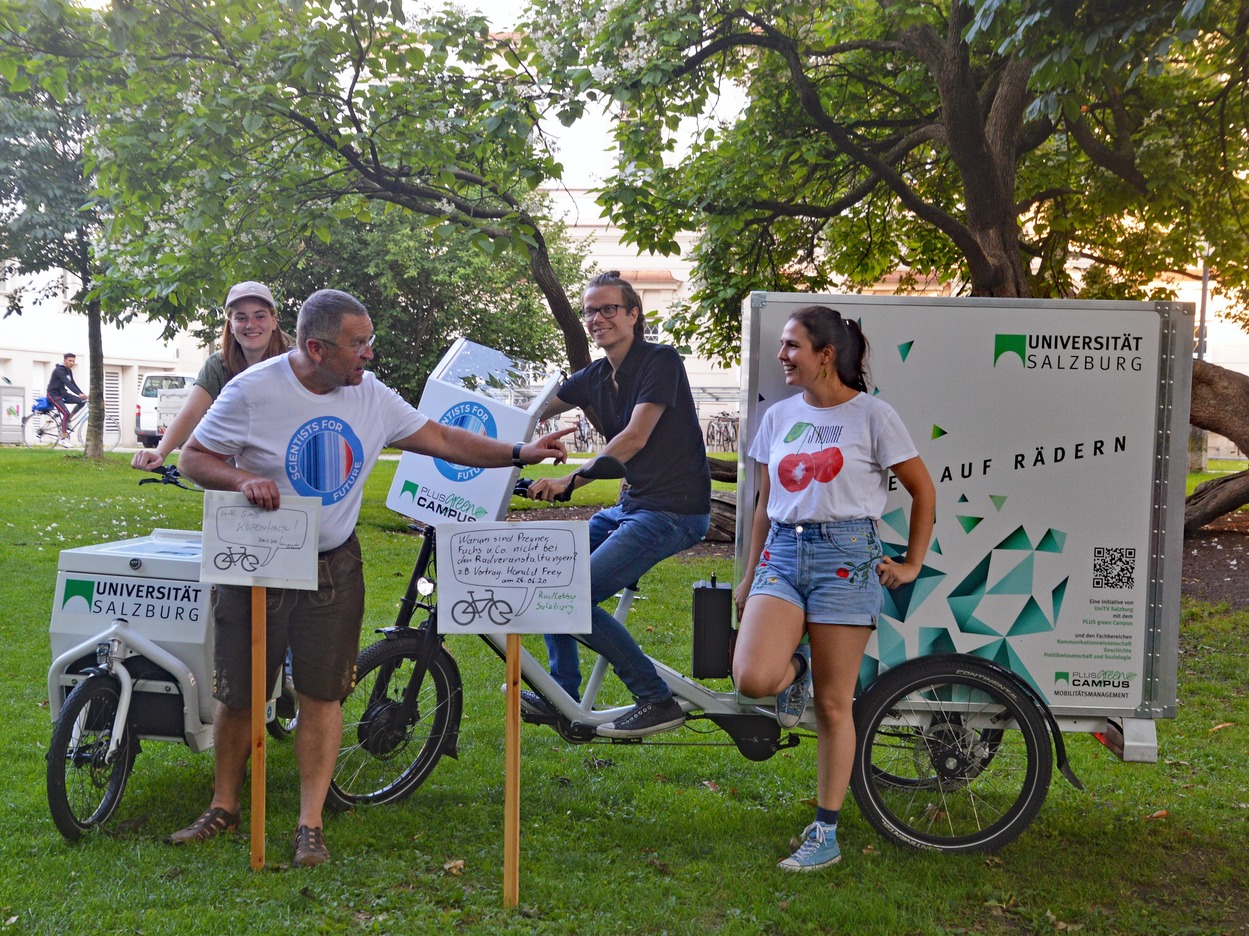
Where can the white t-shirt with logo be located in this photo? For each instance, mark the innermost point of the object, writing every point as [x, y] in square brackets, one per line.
[311, 444]
[830, 463]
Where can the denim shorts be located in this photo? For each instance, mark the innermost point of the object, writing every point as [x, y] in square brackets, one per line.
[827, 569]
[321, 628]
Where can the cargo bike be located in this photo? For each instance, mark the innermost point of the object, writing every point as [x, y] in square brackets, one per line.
[959, 725]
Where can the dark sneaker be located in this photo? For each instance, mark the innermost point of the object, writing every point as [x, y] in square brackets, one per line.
[791, 701]
[645, 718]
[819, 849]
[533, 704]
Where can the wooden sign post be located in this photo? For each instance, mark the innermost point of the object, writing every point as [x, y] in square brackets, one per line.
[245, 545]
[514, 578]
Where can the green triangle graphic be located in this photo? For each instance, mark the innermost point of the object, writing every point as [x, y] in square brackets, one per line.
[896, 521]
[1052, 542]
[968, 523]
[998, 501]
[962, 499]
[936, 547]
[1059, 592]
[937, 431]
[935, 640]
[1018, 581]
[905, 348]
[1031, 620]
[890, 645]
[1017, 540]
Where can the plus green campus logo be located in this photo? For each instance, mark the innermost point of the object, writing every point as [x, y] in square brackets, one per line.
[452, 506]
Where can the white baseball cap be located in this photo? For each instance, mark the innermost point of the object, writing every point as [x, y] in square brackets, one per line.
[250, 289]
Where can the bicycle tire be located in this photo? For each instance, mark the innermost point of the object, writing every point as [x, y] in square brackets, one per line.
[386, 754]
[40, 430]
[83, 787]
[464, 612]
[287, 718]
[504, 609]
[950, 756]
[111, 437]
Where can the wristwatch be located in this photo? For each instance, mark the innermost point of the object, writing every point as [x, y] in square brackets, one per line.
[516, 455]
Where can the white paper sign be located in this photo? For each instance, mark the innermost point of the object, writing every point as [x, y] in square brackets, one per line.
[514, 578]
[246, 545]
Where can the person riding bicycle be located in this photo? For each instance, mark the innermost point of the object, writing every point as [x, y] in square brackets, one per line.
[641, 394]
[311, 422]
[63, 389]
[250, 335]
[815, 563]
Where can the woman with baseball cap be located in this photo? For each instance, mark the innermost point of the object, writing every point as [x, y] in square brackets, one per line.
[251, 335]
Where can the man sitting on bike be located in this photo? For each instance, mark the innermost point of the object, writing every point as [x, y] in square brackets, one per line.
[641, 394]
[62, 389]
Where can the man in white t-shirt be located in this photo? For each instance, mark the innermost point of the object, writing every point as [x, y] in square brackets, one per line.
[311, 422]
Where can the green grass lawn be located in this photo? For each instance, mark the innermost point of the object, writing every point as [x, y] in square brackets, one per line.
[673, 837]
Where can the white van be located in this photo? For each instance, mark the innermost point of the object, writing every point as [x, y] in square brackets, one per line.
[149, 422]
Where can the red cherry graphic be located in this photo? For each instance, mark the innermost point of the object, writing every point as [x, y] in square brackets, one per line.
[828, 463]
[795, 471]
[843, 573]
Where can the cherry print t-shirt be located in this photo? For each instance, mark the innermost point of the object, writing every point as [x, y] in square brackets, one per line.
[830, 463]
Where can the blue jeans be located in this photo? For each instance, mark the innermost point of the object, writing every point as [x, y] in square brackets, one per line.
[622, 547]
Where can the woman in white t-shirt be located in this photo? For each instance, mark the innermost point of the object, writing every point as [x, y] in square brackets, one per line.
[825, 456]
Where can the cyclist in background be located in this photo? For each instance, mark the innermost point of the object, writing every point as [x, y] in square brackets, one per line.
[63, 389]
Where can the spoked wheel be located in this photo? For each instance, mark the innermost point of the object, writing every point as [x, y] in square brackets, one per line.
[41, 430]
[950, 756]
[85, 784]
[287, 718]
[390, 747]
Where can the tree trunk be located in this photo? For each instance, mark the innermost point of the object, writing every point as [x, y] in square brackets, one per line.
[1220, 403]
[95, 393]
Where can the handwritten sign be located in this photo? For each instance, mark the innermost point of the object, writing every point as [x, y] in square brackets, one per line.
[245, 545]
[514, 578]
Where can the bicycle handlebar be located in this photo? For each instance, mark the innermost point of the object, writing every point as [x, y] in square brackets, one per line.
[603, 467]
[169, 474]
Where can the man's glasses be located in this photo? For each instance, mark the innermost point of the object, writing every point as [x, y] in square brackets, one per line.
[359, 346]
[606, 311]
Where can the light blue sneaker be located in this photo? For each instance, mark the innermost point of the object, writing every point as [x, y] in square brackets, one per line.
[791, 701]
[818, 850]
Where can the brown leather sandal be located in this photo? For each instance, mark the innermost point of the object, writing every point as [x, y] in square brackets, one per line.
[213, 821]
[310, 847]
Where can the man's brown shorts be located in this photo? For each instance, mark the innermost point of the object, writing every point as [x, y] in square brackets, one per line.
[322, 629]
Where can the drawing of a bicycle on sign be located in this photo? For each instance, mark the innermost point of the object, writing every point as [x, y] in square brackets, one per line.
[521, 578]
[243, 544]
[467, 610]
[240, 557]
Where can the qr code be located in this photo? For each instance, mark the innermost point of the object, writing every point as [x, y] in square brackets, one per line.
[1114, 566]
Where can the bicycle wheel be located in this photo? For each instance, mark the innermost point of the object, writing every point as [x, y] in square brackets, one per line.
[84, 784]
[500, 612]
[287, 718]
[41, 430]
[111, 437]
[387, 750]
[464, 612]
[950, 756]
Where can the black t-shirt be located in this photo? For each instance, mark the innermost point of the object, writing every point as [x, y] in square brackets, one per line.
[670, 472]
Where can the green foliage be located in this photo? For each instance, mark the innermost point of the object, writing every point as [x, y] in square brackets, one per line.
[424, 289]
[236, 132]
[985, 148]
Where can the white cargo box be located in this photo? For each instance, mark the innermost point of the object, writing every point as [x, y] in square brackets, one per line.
[153, 583]
[1056, 435]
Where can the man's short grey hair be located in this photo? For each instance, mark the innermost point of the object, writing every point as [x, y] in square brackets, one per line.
[321, 315]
